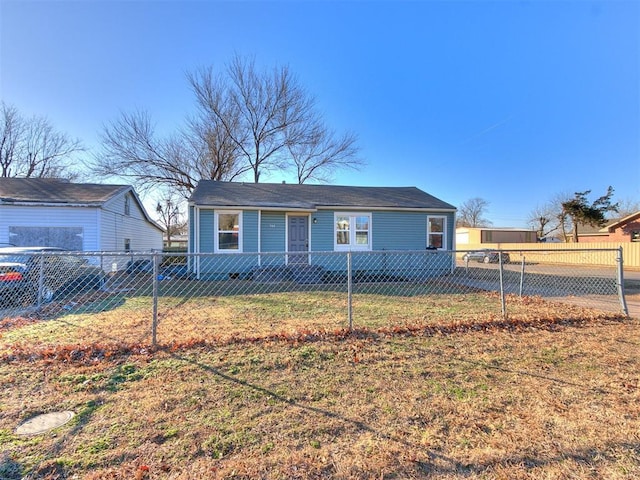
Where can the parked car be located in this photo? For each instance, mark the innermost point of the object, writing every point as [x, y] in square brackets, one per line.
[140, 266]
[486, 256]
[24, 269]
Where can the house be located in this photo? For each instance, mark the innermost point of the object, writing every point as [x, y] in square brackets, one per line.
[75, 216]
[293, 221]
[619, 230]
[477, 235]
[178, 243]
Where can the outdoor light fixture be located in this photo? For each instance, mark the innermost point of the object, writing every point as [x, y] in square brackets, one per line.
[315, 220]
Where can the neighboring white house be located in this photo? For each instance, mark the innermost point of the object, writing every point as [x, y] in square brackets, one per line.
[75, 216]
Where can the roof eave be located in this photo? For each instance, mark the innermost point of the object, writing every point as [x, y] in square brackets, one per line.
[323, 207]
[23, 203]
[253, 207]
[622, 221]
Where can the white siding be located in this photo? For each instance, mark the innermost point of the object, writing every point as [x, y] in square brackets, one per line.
[116, 226]
[33, 216]
[104, 229]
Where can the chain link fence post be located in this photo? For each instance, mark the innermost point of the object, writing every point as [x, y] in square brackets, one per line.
[620, 280]
[522, 276]
[502, 294]
[154, 322]
[349, 290]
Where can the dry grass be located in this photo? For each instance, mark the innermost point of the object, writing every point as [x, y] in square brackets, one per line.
[245, 389]
[103, 318]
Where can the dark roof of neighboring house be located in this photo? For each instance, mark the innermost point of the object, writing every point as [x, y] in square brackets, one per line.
[310, 197]
[50, 191]
[623, 221]
[43, 191]
[610, 226]
[586, 229]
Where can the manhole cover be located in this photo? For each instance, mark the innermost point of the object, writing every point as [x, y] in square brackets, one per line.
[44, 423]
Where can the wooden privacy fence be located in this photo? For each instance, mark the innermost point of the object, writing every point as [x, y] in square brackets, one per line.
[554, 253]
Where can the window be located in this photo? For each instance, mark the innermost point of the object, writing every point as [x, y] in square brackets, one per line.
[436, 232]
[228, 227]
[352, 231]
[127, 205]
[69, 238]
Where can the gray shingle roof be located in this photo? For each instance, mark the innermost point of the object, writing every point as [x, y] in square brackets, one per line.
[40, 190]
[295, 196]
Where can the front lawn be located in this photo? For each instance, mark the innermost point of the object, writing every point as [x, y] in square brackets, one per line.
[246, 388]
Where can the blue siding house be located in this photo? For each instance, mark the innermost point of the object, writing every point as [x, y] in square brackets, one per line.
[291, 224]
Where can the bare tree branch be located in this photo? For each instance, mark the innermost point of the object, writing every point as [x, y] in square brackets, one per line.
[33, 148]
[471, 213]
[130, 149]
[628, 206]
[317, 153]
[247, 122]
[170, 215]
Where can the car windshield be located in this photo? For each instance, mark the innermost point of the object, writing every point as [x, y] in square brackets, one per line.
[14, 258]
[21, 256]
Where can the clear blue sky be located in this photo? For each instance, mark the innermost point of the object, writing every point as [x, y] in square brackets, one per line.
[511, 101]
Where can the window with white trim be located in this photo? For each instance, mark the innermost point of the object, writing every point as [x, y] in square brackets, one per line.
[228, 231]
[436, 231]
[352, 231]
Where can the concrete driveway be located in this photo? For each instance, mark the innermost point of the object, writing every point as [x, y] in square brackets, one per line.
[587, 286]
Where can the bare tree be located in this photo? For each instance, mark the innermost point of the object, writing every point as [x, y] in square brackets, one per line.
[546, 219]
[11, 134]
[131, 149]
[217, 157]
[255, 110]
[247, 122]
[170, 215]
[628, 206]
[471, 213]
[317, 153]
[272, 121]
[31, 147]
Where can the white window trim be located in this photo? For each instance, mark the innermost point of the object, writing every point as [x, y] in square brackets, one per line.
[216, 237]
[352, 246]
[444, 230]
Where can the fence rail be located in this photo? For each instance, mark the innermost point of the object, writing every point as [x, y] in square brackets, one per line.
[171, 292]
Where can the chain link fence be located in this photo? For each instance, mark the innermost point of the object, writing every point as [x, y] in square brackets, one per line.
[165, 297]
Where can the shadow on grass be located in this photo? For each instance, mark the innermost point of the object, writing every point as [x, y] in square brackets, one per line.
[588, 457]
[439, 463]
[9, 468]
[257, 388]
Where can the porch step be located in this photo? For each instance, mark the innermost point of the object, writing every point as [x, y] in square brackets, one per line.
[306, 273]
